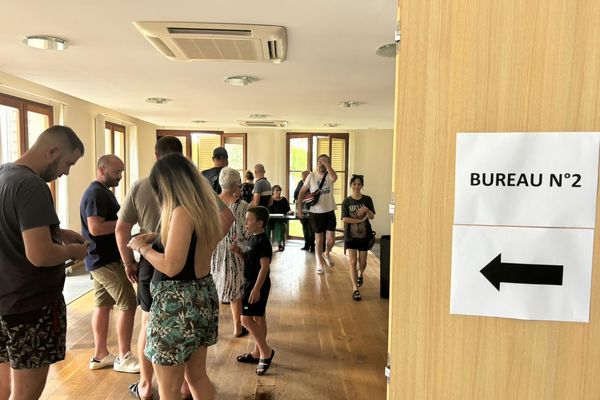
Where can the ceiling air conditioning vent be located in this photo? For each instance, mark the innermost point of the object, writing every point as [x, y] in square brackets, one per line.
[264, 124]
[195, 41]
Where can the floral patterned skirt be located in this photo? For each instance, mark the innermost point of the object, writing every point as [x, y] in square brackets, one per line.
[184, 316]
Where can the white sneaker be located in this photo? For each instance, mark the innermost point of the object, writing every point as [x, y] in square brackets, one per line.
[320, 270]
[105, 362]
[328, 260]
[129, 364]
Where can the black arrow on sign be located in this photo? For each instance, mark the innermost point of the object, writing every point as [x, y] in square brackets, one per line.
[531, 274]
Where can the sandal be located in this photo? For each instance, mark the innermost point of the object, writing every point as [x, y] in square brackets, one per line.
[247, 358]
[359, 281]
[264, 363]
[243, 333]
[135, 390]
[356, 296]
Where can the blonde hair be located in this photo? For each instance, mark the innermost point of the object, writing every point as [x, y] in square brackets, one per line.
[177, 182]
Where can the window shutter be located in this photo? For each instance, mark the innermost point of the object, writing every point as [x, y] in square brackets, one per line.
[203, 145]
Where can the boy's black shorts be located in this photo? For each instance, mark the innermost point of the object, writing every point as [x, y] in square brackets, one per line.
[257, 309]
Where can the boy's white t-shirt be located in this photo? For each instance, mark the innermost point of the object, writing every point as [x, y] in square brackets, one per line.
[326, 201]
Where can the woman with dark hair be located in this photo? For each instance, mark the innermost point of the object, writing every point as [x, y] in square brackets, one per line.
[357, 210]
[184, 314]
[247, 187]
[280, 206]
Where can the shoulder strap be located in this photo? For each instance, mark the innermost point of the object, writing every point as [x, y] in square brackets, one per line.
[323, 181]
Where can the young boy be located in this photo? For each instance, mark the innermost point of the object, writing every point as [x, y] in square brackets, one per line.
[256, 288]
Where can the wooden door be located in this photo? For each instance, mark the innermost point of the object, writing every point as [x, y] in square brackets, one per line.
[482, 66]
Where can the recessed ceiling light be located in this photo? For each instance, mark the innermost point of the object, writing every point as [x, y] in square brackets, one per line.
[330, 124]
[387, 50]
[242, 80]
[198, 121]
[348, 104]
[258, 116]
[45, 42]
[157, 100]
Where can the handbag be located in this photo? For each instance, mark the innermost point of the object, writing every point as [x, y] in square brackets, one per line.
[312, 198]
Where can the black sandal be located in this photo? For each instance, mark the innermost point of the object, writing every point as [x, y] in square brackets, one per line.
[356, 296]
[359, 281]
[243, 333]
[135, 390]
[264, 364]
[247, 358]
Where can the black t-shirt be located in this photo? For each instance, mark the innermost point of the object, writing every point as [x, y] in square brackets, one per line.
[25, 203]
[259, 247]
[212, 174]
[280, 206]
[349, 207]
[99, 201]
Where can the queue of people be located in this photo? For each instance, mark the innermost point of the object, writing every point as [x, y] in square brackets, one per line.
[200, 243]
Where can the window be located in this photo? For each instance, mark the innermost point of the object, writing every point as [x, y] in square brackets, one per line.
[21, 122]
[199, 145]
[303, 149]
[115, 143]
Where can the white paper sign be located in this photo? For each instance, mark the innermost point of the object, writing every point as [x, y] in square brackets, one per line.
[531, 256]
[517, 179]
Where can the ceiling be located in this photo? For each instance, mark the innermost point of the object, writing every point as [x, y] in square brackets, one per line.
[330, 58]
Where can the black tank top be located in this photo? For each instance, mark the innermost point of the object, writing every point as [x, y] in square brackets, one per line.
[188, 272]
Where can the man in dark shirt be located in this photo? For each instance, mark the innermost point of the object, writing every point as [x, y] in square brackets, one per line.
[220, 160]
[98, 211]
[32, 272]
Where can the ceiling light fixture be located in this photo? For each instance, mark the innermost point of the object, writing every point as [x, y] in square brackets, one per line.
[199, 121]
[242, 80]
[157, 100]
[46, 42]
[331, 124]
[348, 104]
[258, 116]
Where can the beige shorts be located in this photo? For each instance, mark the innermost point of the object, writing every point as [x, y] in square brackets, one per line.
[111, 287]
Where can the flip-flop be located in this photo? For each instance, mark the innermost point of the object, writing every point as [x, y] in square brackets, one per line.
[247, 358]
[264, 364]
[135, 390]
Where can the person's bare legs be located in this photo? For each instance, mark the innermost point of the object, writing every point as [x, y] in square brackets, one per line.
[362, 262]
[100, 319]
[236, 312]
[330, 241]
[146, 371]
[170, 379]
[352, 264]
[319, 249]
[196, 376]
[4, 381]
[124, 331]
[258, 331]
[28, 384]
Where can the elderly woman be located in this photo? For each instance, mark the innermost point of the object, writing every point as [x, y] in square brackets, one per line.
[226, 268]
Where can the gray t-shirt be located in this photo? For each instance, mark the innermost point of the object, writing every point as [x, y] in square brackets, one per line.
[263, 187]
[25, 203]
[141, 207]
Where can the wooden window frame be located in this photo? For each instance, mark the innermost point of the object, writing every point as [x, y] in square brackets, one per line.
[114, 127]
[188, 139]
[24, 106]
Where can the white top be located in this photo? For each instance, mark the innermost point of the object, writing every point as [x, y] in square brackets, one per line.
[326, 201]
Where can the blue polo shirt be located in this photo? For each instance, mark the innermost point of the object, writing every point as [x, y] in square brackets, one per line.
[99, 201]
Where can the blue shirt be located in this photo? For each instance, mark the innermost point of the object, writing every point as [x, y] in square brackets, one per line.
[99, 201]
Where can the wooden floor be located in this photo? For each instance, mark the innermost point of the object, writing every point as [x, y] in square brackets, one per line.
[327, 345]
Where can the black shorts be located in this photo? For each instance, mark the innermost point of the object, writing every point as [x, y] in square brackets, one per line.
[257, 309]
[35, 338]
[323, 222]
[145, 272]
[357, 244]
